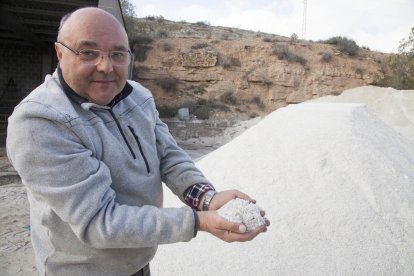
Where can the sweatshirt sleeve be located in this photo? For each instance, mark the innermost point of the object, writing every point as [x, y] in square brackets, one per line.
[61, 172]
[178, 170]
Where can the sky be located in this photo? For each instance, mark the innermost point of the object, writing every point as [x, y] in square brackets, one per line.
[377, 24]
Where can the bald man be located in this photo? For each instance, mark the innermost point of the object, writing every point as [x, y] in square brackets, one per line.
[93, 154]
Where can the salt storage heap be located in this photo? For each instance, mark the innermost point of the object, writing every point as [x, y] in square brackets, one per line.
[337, 184]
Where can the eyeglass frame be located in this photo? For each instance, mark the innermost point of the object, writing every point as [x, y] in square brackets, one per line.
[78, 53]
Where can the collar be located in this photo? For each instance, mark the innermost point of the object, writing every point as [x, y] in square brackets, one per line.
[80, 100]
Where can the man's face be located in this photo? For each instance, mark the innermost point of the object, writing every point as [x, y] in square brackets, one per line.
[98, 83]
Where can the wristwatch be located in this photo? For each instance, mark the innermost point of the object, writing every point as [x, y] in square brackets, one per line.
[207, 199]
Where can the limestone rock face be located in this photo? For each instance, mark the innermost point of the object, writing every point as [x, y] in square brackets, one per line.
[208, 62]
[197, 59]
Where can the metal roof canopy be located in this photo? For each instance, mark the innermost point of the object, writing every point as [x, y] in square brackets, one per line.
[36, 22]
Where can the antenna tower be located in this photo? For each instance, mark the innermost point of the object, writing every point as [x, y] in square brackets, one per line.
[304, 20]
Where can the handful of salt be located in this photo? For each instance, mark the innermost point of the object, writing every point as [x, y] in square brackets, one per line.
[242, 211]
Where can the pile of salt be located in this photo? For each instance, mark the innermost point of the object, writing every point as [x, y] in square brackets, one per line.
[242, 211]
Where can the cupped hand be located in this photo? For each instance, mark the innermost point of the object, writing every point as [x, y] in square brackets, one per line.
[223, 197]
[212, 222]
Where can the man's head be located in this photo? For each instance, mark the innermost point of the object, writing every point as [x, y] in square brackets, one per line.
[92, 28]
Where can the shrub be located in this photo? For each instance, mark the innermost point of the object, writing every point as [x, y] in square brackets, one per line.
[253, 115]
[258, 101]
[401, 65]
[158, 18]
[229, 98]
[168, 84]
[282, 52]
[202, 23]
[228, 62]
[267, 39]
[294, 38]
[202, 108]
[326, 57]
[140, 40]
[140, 52]
[162, 33]
[197, 90]
[199, 46]
[167, 47]
[202, 112]
[344, 44]
[300, 59]
[225, 37]
[167, 111]
[359, 71]
[219, 106]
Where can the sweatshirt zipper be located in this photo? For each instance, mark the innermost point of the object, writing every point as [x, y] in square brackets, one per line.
[122, 133]
[140, 148]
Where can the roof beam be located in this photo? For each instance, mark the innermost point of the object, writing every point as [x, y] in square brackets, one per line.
[34, 11]
[70, 3]
[40, 22]
[13, 23]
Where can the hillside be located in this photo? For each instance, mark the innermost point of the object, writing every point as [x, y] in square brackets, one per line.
[222, 72]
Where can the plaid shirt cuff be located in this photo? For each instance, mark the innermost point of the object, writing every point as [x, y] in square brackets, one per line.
[194, 193]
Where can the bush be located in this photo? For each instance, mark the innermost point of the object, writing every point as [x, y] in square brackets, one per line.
[202, 108]
[294, 38]
[202, 23]
[282, 52]
[140, 52]
[202, 112]
[359, 71]
[167, 111]
[225, 37]
[167, 47]
[138, 40]
[258, 101]
[197, 90]
[344, 44]
[228, 62]
[300, 59]
[400, 73]
[199, 46]
[229, 98]
[158, 18]
[162, 33]
[326, 57]
[168, 84]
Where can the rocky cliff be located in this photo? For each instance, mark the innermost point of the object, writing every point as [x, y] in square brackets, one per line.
[242, 73]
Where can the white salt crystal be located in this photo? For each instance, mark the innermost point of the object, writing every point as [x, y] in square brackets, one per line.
[242, 211]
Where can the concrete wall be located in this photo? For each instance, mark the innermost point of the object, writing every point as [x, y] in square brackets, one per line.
[194, 129]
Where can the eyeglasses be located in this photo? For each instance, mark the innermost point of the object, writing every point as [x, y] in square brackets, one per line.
[93, 57]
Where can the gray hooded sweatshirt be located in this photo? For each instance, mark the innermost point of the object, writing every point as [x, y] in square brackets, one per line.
[94, 180]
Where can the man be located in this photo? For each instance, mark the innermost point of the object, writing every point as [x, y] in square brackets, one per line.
[92, 152]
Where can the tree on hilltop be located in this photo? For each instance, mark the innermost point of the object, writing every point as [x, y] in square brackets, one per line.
[401, 66]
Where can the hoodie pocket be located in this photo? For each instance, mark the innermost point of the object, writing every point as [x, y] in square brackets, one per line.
[140, 148]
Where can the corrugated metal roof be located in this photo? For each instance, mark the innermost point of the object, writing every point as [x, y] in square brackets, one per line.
[35, 22]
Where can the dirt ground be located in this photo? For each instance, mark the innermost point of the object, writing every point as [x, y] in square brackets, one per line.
[16, 253]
